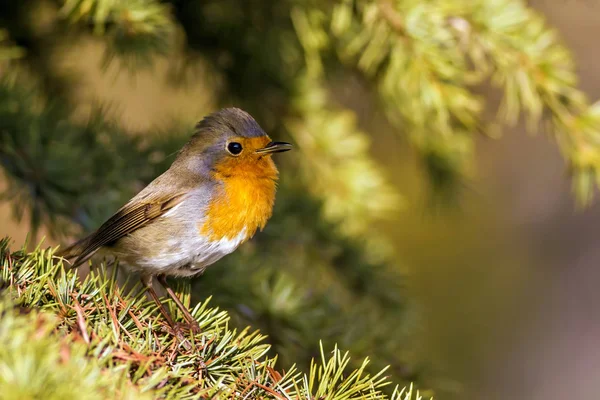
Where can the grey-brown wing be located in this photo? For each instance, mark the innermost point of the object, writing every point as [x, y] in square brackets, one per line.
[129, 218]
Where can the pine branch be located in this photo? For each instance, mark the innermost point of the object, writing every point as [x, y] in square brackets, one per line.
[7, 50]
[336, 162]
[95, 335]
[135, 30]
[427, 58]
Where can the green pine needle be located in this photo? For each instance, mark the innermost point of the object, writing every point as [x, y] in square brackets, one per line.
[65, 338]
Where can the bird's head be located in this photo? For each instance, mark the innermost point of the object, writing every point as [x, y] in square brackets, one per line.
[230, 143]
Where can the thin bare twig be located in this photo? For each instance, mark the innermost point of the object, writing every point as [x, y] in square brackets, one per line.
[81, 321]
[114, 318]
[389, 13]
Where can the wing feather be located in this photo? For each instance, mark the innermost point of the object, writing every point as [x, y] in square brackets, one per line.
[128, 219]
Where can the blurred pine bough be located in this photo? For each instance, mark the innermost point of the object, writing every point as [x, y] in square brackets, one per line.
[275, 58]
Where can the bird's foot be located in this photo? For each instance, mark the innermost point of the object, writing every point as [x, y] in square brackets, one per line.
[191, 327]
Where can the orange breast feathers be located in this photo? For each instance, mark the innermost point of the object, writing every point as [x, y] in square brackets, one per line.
[245, 201]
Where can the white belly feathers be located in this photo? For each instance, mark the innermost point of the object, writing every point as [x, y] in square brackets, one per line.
[189, 253]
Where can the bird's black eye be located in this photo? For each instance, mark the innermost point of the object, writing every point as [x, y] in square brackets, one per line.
[234, 148]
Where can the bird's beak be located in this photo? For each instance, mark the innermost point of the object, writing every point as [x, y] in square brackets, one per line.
[275, 147]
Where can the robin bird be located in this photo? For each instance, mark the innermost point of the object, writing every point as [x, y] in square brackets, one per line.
[216, 194]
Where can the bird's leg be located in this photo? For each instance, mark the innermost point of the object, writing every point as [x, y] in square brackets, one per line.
[162, 279]
[147, 281]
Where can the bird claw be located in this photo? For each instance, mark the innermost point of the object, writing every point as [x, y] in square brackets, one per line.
[189, 327]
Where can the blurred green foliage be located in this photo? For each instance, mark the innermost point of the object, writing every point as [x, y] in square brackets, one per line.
[426, 60]
[8, 51]
[321, 270]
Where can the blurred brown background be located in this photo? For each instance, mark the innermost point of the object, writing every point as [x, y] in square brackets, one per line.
[507, 287]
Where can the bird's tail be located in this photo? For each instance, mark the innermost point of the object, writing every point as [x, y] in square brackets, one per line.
[75, 250]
